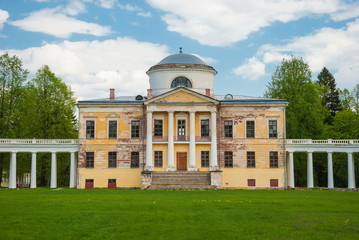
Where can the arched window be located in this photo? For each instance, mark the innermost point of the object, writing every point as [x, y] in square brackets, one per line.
[181, 82]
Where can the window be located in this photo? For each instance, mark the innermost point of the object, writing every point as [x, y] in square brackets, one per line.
[181, 130]
[205, 158]
[251, 182]
[228, 129]
[89, 183]
[135, 159]
[112, 159]
[205, 128]
[273, 159]
[158, 128]
[274, 182]
[250, 129]
[135, 129]
[90, 129]
[272, 128]
[158, 158]
[251, 160]
[90, 160]
[228, 159]
[112, 129]
[181, 82]
[111, 183]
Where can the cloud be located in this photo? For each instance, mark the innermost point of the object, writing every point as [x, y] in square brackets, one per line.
[55, 23]
[74, 8]
[4, 15]
[129, 7]
[252, 69]
[91, 68]
[335, 49]
[106, 3]
[222, 23]
[144, 14]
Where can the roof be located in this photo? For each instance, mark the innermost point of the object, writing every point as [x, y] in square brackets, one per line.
[183, 61]
[223, 99]
[182, 58]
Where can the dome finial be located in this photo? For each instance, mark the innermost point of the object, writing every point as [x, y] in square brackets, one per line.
[180, 50]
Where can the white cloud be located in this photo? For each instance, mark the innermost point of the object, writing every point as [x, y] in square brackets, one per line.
[74, 8]
[223, 22]
[335, 49]
[4, 15]
[252, 69]
[106, 3]
[55, 23]
[129, 7]
[91, 68]
[144, 14]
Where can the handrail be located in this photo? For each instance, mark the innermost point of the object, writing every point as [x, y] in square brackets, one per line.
[38, 141]
[328, 141]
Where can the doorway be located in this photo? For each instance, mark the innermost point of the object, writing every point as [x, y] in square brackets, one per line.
[181, 161]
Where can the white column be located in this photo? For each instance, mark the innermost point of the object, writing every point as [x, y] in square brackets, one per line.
[149, 165]
[192, 142]
[330, 171]
[53, 182]
[310, 181]
[351, 177]
[33, 170]
[72, 169]
[12, 175]
[171, 154]
[213, 159]
[291, 170]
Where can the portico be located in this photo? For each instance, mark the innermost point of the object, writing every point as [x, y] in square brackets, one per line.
[328, 146]
[35, 146]
[183, 127]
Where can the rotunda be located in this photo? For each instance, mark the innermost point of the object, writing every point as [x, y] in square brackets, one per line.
[181, 70]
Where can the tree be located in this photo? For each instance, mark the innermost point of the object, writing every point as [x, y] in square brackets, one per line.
[292, 81]
[49, 107]
[12, 79]
[347, 100]
[355, 95]
[330, 94]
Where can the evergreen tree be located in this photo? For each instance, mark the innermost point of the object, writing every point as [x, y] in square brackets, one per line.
[330, 94]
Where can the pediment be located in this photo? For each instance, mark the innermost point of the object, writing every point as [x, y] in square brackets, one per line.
[181, 95]
[112, 115]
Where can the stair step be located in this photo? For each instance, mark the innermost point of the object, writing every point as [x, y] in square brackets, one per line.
[181, 187]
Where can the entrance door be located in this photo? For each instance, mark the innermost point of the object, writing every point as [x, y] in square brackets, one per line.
[181, 130]
[112, 183]
[181, 161]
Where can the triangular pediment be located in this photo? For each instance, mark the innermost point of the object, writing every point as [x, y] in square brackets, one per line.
[181, 95]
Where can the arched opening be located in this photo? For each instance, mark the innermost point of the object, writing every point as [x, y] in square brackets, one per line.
[181, 82]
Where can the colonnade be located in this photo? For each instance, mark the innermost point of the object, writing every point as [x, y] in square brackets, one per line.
[192, 142]
[53, 174]
[310, 179]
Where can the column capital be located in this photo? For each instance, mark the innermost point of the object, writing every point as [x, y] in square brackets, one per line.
[170, 111]
[349, 152]
[14, 152]
[33, 151]
[310, 151]
[290, 151]
[149, 111]
[329, 151]
[213, 111]
[192, 111]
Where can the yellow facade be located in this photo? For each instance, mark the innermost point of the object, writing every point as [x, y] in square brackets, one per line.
[232, 177]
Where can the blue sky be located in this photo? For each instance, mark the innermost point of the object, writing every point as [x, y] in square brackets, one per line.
[94, 45]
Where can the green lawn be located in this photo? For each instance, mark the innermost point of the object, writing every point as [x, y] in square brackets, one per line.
[150, 214]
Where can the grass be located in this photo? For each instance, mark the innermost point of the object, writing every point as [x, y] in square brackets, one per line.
[135, 214]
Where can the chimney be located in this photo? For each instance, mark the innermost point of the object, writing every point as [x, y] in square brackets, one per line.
[149, 93]
[112, 93]
[208, 92]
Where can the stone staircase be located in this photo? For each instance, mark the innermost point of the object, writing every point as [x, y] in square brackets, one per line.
[181, 180]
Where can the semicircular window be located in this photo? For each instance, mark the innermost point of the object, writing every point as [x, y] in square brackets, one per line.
[181, 82]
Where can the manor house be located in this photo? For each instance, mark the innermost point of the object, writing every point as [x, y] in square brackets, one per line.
[181, 133]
